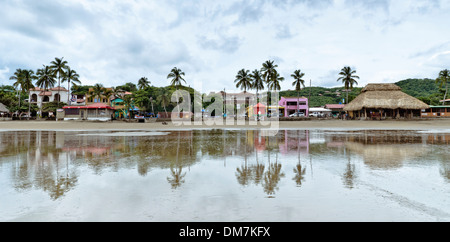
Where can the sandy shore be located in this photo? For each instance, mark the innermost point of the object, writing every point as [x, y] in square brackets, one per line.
[438, 124]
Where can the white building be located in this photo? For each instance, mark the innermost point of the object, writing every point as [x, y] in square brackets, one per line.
[39, 97]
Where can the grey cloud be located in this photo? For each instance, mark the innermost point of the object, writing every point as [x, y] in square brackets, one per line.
[424, 6]
[186, 10]
[433, 50]
[310, 3]
[225, 44]
[329, 79]
[37, 19]
[370, 4]
[284, 32]
[247, 11]
[439, 61]
[252, 11]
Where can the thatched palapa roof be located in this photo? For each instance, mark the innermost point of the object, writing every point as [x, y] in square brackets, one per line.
[384, 96]
[3, 108]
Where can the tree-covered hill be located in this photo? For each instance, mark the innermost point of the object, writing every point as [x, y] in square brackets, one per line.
[424, 89]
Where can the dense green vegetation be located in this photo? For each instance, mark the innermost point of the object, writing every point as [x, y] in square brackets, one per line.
[426, 90]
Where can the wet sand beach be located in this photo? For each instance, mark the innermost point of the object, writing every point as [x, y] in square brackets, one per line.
[438, 124]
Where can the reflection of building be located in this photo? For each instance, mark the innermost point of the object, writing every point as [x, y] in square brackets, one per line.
[294, 141]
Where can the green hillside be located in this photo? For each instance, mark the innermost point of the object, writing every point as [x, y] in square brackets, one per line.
[424, 89]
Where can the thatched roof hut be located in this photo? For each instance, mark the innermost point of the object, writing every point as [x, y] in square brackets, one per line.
[3, 108]
[384, 96]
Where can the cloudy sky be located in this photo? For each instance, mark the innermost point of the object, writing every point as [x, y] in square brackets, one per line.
[118, 41]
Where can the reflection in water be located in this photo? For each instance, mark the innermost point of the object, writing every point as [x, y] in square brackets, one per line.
[299, 174]
[51, 161]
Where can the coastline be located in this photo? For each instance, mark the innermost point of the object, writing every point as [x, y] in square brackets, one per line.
[438, 124]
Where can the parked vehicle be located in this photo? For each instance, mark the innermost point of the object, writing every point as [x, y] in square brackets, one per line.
[300, 114]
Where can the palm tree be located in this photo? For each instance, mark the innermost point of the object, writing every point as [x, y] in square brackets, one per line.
[177, 76]
[128, 103]
[298, 83]
[442, 80]
[71, 76]
[268, 71]
[45, 80]
[116, 92]
[143, 83]
[348, 78]
[28, 78]
[164, 100]
[97, 91]
[275, 85]
[18, 77]
[108, 93]
[243, 80]
[58, 66]
[258, 83]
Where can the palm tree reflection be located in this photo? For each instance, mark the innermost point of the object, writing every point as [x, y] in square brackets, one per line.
[299, 174]
[298, 171]
[349, 175]
[177, 177]
[271, 178]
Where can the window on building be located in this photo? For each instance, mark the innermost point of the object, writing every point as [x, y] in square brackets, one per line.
[72, 111]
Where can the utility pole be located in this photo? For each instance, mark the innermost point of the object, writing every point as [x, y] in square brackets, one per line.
[224, 102]
[309, 98]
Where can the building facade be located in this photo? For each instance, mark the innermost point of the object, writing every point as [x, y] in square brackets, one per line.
[40, 96]
[436, 111]
[293, 104]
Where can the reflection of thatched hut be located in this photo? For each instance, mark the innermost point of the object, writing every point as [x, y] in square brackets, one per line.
[384, 100]
[385, 156]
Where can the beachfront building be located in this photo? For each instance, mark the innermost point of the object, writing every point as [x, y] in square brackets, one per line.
[40, 96]
[240, 102]
[77, 100]
[91, 112]
[380, 101]
[293, 104]
[4, 113]
[239, 99]
[117, 102]
[336, 109]
[436, 111]
[319, 112]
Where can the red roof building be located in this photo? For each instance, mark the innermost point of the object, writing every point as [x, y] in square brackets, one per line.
[95, 111]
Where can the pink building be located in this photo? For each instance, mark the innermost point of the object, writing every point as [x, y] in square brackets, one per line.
[291, 104]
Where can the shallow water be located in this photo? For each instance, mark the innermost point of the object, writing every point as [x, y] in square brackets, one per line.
[224, 175]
